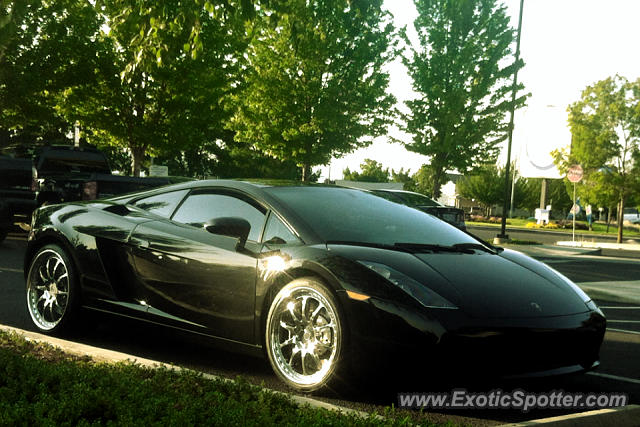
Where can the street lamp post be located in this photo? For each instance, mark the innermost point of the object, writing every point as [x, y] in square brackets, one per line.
[514, 89]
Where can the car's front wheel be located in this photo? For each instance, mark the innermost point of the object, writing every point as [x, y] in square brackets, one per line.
[305, 335]
[51, 290]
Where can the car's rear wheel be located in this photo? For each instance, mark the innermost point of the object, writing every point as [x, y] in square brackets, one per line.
[305, 335]
[51, 290]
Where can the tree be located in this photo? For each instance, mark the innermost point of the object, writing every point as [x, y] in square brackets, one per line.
[315, 85]
[486, 186]
[557, 195]
[157, 21]
[52, 48]
[404, 177]
[462, 72]
[605, 130]
[12, 14]
[170, 104]
[372, 171]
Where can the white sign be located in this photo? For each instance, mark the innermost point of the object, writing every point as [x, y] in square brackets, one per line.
[542, 215]
[158, 170]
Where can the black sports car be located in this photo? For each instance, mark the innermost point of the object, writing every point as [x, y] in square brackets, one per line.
[319, 278]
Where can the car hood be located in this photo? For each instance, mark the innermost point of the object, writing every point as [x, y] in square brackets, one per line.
[505, 285]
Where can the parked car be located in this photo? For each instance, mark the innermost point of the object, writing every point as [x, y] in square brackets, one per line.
[18, 192]
[322, 280]
[59, 174]
[68, 173]
[631, 215]
[449, 214]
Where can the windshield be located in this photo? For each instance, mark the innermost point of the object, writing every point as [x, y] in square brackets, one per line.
[349, 215]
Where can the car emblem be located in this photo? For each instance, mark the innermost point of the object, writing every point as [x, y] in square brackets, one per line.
[536, 307]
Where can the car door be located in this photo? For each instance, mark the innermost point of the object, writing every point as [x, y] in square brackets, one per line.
[198, 279]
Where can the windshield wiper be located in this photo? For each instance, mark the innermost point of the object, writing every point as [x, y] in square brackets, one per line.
[366, 244]
[424, 247]
[478, 246]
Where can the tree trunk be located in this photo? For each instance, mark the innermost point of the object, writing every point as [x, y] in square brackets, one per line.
[306, 172]
[620, 218]
[609, 217]
[436, 175]
[138, 155]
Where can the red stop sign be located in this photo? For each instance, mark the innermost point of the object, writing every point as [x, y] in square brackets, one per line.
[574, 174]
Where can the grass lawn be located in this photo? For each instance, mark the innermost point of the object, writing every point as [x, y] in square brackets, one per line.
[598, 228]
[42, 385]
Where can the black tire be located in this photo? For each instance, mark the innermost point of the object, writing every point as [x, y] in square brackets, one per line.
[3, 233]
[305, 336]
[52, 290]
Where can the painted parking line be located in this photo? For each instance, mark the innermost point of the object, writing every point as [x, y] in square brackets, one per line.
[10, 270]
[615, 377]
[622, 321]
[623, 331]
[619, 308]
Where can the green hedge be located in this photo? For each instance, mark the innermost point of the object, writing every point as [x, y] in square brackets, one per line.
[41, 385]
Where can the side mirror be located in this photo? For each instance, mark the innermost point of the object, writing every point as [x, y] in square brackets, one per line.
[230, 226]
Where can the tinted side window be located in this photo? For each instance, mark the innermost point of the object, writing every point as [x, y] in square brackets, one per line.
[418, 200]
[162, 204]
[388, 196]
[200, 208]
[277, 233]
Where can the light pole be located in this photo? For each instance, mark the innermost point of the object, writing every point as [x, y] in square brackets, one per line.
[514, 89]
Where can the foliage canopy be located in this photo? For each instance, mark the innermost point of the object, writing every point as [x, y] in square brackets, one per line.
[462, 72]
[605, 133]
[315, 86]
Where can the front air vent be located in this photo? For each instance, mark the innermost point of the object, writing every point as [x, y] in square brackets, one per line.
[117, 209]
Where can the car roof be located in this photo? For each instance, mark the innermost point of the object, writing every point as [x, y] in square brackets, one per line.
[391, 190]
[252, 188]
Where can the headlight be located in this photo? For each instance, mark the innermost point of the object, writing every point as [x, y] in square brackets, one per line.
[418, 291]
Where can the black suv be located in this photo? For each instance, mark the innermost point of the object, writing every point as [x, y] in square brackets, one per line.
[18, 192]
[56, 174]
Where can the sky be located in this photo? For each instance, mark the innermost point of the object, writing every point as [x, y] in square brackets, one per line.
[566, 45]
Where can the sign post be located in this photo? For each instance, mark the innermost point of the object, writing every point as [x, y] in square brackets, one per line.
[574, 174]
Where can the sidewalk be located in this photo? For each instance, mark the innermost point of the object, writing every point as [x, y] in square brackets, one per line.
[552, 250]
[624, 250]
[570, 248]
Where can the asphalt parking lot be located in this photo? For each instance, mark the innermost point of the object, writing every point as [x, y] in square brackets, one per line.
[616, 282]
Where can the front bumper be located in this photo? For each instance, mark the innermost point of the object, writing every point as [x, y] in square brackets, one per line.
[451, 343]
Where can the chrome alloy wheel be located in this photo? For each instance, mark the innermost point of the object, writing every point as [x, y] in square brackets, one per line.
[48, 285]
[304, 335]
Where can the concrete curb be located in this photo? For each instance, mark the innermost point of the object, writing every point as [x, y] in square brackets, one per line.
[110, 356]
[628, 416]
[550, 250]
[579, 235]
